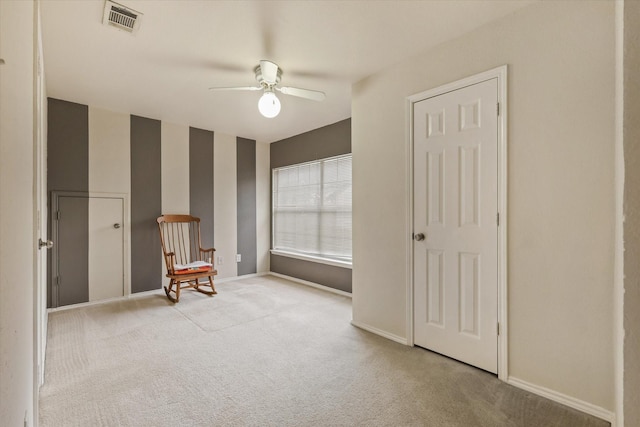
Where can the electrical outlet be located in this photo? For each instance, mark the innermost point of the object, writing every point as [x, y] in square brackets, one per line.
[238, 258]
[220, 259]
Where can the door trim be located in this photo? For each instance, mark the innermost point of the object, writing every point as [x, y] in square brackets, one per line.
[501, 74]
[126, 249]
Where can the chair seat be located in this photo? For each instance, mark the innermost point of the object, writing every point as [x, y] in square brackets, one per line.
[190, 275]
[192, 270]
[192, 265]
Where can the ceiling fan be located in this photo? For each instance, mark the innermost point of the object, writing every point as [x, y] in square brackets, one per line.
[268, 75]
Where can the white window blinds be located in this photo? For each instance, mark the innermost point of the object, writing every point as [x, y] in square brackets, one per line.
[312, 208]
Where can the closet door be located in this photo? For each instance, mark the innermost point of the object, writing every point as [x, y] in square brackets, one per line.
[88, 252]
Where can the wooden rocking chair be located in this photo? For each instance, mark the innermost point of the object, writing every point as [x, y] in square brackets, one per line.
[188, 264]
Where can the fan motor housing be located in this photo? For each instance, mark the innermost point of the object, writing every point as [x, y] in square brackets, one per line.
[260, 78]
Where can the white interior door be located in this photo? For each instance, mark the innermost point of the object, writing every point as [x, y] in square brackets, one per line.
[455, 164]
[41, 212]
[106, 248]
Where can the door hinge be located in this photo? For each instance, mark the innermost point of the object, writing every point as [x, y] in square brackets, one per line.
[58, 215]
[498, 219]
[498, 328]
[58, 280]
[498, 108]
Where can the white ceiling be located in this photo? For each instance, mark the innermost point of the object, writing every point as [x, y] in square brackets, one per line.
[184, 47]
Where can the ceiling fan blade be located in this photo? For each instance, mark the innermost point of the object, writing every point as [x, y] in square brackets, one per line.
[314, 95]
[236, 88]
[269, 71]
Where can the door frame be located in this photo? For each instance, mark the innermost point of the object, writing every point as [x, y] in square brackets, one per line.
[501, 74]
[126, 244]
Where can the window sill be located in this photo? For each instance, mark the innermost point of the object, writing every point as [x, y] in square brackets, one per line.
[311, 258]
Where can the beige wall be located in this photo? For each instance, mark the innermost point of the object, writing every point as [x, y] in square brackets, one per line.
[225, 217]
[174, 159]
[175, 168]
[560, 189]
[109, 152]
[631, 129]
[17, 238]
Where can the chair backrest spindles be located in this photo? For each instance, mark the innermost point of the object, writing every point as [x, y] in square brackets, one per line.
[180, 235]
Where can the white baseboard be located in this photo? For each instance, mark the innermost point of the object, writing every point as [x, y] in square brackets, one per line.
[380, 332]
[159, 291]
[245, 276]
[107, 300]
[366, 327]
[312, 284]
[563, 399]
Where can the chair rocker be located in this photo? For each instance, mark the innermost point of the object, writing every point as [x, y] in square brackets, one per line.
[188, 264]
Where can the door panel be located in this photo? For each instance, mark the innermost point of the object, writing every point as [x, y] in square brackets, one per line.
[435, 288]
[106, 275]
[455, 206]
[72, 251]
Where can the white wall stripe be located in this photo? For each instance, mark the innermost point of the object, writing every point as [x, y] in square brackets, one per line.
[174, 174]
[225, 204]
[109, 152]
[109, 173]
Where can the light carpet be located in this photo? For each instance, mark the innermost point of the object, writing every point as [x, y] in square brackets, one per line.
[263, 352]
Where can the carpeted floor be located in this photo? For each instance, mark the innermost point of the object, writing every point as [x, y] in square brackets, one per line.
[263, 352]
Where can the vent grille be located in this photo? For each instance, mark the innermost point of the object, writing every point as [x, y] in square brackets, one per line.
[121, 17]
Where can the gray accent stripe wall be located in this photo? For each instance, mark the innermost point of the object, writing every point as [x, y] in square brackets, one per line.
[329, 141]
[146, 204]
[68, 168]
[326, 275]
[246, 205]
[201, 182]
[68, 146]
[73, 243]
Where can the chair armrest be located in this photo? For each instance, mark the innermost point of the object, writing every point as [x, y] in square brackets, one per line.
[170, 260]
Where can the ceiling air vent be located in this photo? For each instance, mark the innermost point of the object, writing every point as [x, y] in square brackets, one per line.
[121, 17]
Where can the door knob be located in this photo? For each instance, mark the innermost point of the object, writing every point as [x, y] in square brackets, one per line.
[45, 244]
[116, 225]
[419, 237]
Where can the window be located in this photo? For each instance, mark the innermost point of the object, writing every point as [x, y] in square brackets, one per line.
[312, 209]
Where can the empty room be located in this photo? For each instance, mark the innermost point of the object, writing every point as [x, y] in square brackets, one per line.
[319, 213]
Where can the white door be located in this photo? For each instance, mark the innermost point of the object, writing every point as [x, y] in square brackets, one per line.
[41, 214]
[106, 248]
[455, 163]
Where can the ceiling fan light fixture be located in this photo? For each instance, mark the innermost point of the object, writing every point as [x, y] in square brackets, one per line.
[269, 105]
[268, 75]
